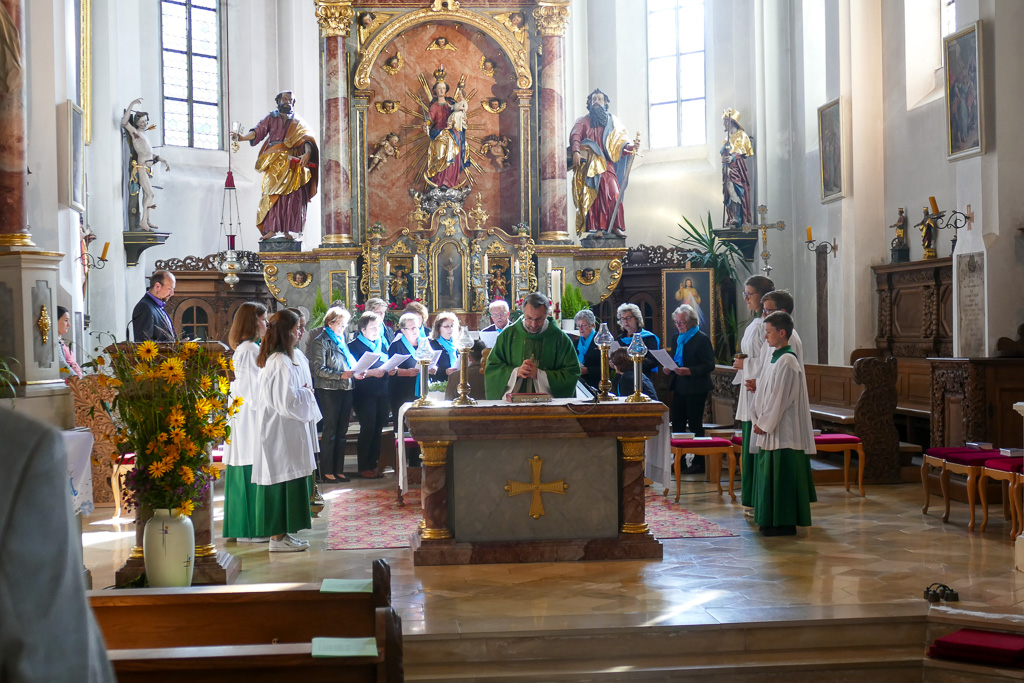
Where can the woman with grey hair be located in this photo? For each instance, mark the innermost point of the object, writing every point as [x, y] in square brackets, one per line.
[691, 380]
[586, 350]
[631, 320]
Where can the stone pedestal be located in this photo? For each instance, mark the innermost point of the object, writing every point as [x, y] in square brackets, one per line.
[561, 481]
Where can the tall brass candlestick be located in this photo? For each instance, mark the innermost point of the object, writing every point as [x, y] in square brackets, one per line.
[604, 342]
[423, 400]
[465, 343]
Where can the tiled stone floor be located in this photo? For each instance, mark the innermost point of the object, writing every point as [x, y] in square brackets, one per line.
[862, 554]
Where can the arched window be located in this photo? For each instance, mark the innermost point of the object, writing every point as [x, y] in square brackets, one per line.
[190, 38]
[676, 83]
[194, 322]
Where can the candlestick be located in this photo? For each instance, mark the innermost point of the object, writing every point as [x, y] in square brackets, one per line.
[106, 248]
[934, 205]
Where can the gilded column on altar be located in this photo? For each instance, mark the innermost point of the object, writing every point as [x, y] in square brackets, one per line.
[552, 20]
[335, 20]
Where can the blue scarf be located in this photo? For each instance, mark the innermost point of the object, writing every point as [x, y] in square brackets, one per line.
[375, 346]
[453, 354]
[583, 345]
[423, 333]
[681, 342]
[349, 360]
[643, 335]
[408, 346]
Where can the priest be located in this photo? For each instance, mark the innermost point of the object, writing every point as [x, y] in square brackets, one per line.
[533, 355]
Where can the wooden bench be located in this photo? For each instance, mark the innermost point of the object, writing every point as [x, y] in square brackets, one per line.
[260, 632]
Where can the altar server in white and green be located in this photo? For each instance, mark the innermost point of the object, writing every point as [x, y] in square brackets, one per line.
[247, 330]
[781, 415]
[533, 355]
[286, 404]
[748, 363]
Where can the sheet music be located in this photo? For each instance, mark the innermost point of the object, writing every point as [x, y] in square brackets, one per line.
[664, 358]
[433, 363]
[366, 362]
[393, 362]
[489, 338]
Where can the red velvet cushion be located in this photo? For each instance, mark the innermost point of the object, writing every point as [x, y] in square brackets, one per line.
[713, 442]
[218, 457]
[129, 459]
[1005, 464]
[987, 647]
[835, 439]
[737, 440]
[971, 458]
[411, 442]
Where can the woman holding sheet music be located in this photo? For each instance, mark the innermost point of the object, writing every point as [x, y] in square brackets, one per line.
[403, 386]
[442, 338]
[370, 394]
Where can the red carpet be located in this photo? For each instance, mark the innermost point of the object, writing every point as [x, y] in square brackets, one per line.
[368, 518]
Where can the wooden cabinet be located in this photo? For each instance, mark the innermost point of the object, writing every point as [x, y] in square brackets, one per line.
[972, 400]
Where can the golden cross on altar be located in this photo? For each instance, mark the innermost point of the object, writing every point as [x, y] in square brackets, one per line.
[535, 487]
[970, 217]
[764, 227]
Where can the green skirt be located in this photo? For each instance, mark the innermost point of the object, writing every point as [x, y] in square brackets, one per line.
[784, 488]
[239, 503]
[283, 508]
[747, 470]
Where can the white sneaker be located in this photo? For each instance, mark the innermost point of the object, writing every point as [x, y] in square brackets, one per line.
[254, 539]
[287, 545]
[296, 539]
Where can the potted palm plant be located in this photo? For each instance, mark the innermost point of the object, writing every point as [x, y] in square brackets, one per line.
[722, 256]
[572, 303]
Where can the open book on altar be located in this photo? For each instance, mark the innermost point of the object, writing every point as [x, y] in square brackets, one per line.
[520, 397]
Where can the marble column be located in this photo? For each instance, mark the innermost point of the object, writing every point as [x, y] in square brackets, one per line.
[634, 512]
[435, 491]
[13, 164]
[552, 19]
[335, 19]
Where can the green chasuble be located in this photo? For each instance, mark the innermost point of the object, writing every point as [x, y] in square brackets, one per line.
[553, 350]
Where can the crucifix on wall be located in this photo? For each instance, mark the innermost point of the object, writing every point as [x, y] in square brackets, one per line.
[764, 226]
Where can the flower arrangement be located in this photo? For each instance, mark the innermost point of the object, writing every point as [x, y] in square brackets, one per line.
[172, 405]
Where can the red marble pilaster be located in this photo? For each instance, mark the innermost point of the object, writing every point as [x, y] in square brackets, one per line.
[552, 19]
[13, 164]
[632, 499]
[335, 20]
[434, 491]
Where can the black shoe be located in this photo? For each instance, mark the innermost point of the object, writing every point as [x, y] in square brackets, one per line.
[784, 530]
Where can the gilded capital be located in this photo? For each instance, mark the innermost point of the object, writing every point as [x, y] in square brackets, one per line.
[335, 17]
[552, 19]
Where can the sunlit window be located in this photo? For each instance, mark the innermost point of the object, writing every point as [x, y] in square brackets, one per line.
[675, 73]
[190, 39]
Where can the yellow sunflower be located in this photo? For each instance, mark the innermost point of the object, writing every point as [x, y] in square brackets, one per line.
[223, 361]
[223, 384]
[187, 507]
[191, 347]
[148, 350]
[158, 469]
[187, 475]
[203, 407]
[177, 417]
[205, 383]
[178, 435]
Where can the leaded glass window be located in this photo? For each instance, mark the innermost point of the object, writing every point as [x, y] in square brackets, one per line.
[675, 73]
[191, 73]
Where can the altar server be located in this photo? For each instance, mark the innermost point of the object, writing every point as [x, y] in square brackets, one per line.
[247, 330]
[748, 364]
[781, 416]
[781, 300]
[286, 405]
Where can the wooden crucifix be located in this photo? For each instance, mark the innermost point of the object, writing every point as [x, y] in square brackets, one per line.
[764, 227]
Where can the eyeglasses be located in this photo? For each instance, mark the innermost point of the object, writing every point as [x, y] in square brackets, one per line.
[770, 310]
[627, 316]
[747, 295]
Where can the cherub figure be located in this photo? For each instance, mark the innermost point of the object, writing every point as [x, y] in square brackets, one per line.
[487, 66]
[393, 64]
[387, 106]
[387, 147]
[516, 23]
[495, 149]
[441, 43]
[493, 105]
[136, 124]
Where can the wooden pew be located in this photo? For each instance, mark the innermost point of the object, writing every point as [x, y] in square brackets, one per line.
[259, 632]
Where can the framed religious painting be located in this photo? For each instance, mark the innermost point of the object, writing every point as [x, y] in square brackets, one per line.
[400, 283]
[447, 276]
[965, 120]
[830, 150]
[693, 286]
[72, 179]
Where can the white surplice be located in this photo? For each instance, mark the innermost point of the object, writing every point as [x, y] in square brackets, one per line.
[781, 408]
[245, 425]
[286, 406]
[754, 345]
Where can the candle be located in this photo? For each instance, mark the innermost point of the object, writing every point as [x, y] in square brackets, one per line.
[485, 265]
[809, 238]
[549, 266]
[352, 269]
[416, 263]
[106, 248]
[935, 205]
[516, 268]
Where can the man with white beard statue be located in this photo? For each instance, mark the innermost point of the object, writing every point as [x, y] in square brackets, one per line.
[600, 154]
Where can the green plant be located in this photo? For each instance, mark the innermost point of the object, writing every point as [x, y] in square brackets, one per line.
[8, 379]
[316, 316]
[572, 301]
[721, 256]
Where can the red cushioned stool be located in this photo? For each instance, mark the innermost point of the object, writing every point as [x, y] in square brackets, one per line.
[966, 461]
[845, 444]
[1008, 471]
[712, 449]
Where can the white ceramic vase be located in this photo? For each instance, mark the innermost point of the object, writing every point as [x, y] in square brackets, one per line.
[169, 548]
[568, 324]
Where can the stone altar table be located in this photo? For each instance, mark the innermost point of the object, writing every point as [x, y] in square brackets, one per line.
[549, 482]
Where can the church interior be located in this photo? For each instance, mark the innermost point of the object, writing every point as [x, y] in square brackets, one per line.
[441, 155]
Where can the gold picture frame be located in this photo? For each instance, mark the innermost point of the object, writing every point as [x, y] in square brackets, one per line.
[964, 91]
[675, 291]
[830, 151]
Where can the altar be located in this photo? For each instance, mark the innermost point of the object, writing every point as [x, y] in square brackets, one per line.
[550, 482]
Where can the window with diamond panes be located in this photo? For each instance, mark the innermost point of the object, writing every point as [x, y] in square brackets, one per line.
[191, 73]
[675, 73]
